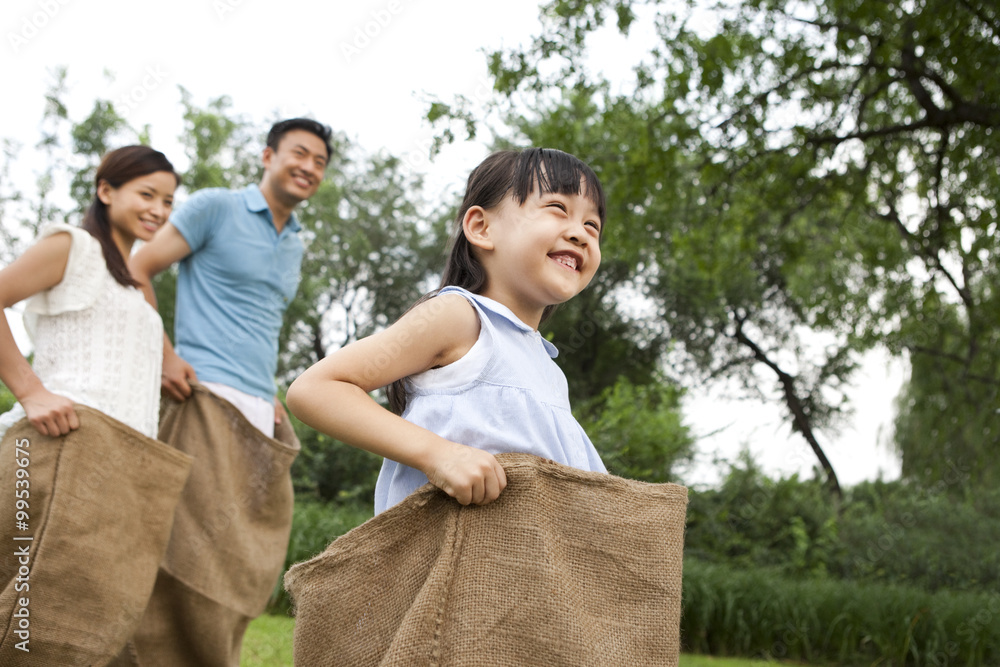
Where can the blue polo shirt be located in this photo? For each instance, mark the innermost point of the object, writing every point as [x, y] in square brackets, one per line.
[234, 287]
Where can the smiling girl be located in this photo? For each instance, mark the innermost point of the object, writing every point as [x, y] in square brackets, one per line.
[97, 342]
[471, 376]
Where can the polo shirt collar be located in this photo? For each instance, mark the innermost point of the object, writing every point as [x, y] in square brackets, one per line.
[256, 203]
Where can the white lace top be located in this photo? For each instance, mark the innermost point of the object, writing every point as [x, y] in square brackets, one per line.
[96, 341]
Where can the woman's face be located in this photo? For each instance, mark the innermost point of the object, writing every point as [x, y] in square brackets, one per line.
[139, 207]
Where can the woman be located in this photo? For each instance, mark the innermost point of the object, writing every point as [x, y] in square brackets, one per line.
[89, 493]
[97, 342]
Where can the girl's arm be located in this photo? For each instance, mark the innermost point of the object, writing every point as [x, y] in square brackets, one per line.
[332, 397]
[41, 266]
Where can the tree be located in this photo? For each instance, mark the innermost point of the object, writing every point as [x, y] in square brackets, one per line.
[791, 184]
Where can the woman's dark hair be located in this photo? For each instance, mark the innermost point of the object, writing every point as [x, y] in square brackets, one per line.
[118, 168]
[518, 174]
[281, 128]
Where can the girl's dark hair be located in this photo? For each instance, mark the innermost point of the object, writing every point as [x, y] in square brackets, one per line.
[518, 174]
[118, 168]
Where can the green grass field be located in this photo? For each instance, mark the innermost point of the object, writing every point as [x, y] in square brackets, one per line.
[268, 643]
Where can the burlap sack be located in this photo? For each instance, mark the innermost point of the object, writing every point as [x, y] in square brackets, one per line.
[565, 568]
[229, 539]
[101, 504]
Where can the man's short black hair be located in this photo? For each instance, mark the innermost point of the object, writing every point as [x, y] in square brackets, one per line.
[279, 129]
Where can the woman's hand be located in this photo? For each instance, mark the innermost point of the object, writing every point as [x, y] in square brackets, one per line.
[50, 414]
[467, 474]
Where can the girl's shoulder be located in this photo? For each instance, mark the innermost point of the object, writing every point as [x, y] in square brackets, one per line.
[451, 308]
[79, 271]
[450, 320]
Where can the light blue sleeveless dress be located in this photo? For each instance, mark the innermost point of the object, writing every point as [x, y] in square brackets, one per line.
[505, 395]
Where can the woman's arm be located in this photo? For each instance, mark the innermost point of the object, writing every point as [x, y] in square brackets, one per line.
[41, 267]
[332, 397]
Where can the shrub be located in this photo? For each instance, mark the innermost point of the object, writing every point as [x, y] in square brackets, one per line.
[892, 532]
[897, 532]
[314, 526]
[751, 520]
[765, 614]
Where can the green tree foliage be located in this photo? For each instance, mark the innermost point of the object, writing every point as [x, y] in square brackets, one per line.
[369, 255]
[638, 431]
[948, 413]
[10, 197]
[795, 184]
[223, 147]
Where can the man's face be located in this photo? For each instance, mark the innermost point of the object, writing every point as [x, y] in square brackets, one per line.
[296, 168]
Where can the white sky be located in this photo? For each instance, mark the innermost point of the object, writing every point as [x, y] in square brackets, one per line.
[366, 68]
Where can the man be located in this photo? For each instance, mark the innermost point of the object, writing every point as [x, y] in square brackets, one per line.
[240, 257]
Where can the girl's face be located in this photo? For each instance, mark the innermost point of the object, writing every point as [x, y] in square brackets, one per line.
[139, 207]
[541, 253]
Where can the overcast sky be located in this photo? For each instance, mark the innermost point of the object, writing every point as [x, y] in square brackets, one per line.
[366, 68]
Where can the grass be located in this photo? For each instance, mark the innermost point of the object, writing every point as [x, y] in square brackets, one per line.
[268, 643]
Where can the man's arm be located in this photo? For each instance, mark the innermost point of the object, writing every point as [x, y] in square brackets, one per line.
[164, 250]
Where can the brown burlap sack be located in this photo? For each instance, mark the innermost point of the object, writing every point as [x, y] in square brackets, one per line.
[100, 508]
[565, 568]
[229, 539]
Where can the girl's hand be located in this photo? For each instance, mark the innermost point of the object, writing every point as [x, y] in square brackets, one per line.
[51, 414]
[467, 474]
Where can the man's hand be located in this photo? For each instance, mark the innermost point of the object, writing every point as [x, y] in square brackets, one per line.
[176, 376]
[51, 414]
[279, 411]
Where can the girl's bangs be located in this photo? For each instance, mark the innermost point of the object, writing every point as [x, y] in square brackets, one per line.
[558, 172]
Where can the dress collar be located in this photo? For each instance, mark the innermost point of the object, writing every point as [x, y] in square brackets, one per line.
[504, 312]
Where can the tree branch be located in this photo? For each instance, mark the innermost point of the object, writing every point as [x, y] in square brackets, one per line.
[800, 419]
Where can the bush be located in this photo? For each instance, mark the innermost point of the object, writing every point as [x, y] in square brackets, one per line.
[637, 430]
[314, 526]
[897, 532]
[751, 520]
[7, 399]
[765, 614]
[327, 469]
[890, 532]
